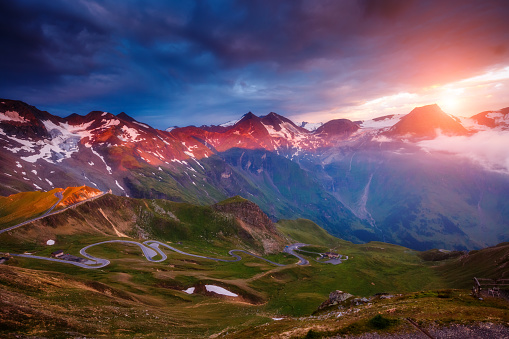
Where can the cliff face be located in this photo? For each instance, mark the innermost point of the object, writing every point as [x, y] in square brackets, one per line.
[253, 220]
[248, 212]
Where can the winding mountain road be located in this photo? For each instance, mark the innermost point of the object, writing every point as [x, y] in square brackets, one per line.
[149, 248]
[291, 250]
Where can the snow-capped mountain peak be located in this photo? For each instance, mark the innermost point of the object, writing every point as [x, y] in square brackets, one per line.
[310, 126]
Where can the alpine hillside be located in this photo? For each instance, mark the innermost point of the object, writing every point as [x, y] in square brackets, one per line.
[390, 179]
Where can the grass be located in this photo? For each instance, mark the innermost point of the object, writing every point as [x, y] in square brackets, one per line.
[388, 316]
[370, 269]
[133, 297]
[306, 231]
[19, 207]
[235, 199]
[491, 262]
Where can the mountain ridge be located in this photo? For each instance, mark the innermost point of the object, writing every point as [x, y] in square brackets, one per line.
[362, 180]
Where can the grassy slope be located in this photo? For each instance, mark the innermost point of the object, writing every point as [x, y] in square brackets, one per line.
[19, 207]
[306, 231]
[430, 309]
[491, 262]
[136, 297]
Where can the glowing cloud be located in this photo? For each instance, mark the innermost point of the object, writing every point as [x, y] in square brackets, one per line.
[488, 148]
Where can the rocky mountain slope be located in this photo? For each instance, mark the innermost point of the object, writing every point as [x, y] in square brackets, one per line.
[369, 180]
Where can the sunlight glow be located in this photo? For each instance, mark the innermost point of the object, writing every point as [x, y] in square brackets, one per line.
[450, 99]
[462, 98]
[449, 104]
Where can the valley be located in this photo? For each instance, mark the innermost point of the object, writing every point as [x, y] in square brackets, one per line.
[216, 231]
[134, 296]
[386, 179]
[290, 169]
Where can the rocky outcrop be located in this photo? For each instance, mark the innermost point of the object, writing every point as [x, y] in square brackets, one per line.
[254, 221]
[247, 211]
[335, 298]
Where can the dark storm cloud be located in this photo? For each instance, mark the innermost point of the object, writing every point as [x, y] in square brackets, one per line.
[179, 62]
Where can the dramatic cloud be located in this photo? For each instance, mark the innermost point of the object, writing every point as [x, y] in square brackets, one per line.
[488, 148]
[181, 62]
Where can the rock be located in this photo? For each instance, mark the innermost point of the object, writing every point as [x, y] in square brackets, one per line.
[246, 211]
[335, 298]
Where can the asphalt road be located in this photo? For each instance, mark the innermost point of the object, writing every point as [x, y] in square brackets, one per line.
[155, 244]
[290, 249]
[150, 248]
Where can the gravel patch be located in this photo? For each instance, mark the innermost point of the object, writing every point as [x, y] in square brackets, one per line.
[475, 331]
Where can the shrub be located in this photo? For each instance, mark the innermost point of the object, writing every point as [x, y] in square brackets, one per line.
[379, 322]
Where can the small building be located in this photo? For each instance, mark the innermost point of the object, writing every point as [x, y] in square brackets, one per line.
[331, 255]
[57, 254]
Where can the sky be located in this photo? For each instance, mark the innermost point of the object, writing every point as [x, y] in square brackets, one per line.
[189, 62]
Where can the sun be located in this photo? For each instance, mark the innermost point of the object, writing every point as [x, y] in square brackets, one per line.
[450, 99]
[449, 104]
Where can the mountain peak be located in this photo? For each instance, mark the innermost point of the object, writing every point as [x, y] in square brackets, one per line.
[275, 120]
[343, 127]
[125, 117]
[248, 116]
[493, 119]
[425, 121]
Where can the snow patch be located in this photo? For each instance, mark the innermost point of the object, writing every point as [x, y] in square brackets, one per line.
[129, 134]
[49, 182]
[382, 123]
[12, 116]
[64, 141]
[230, 123]
[190, 290]
[220, 290]
[140, 124]
[109, 123]
[199, 163]
[108, 168]
[288, 132]
[310, 126]
[116, 182]
[166, 142]
[50, 242]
